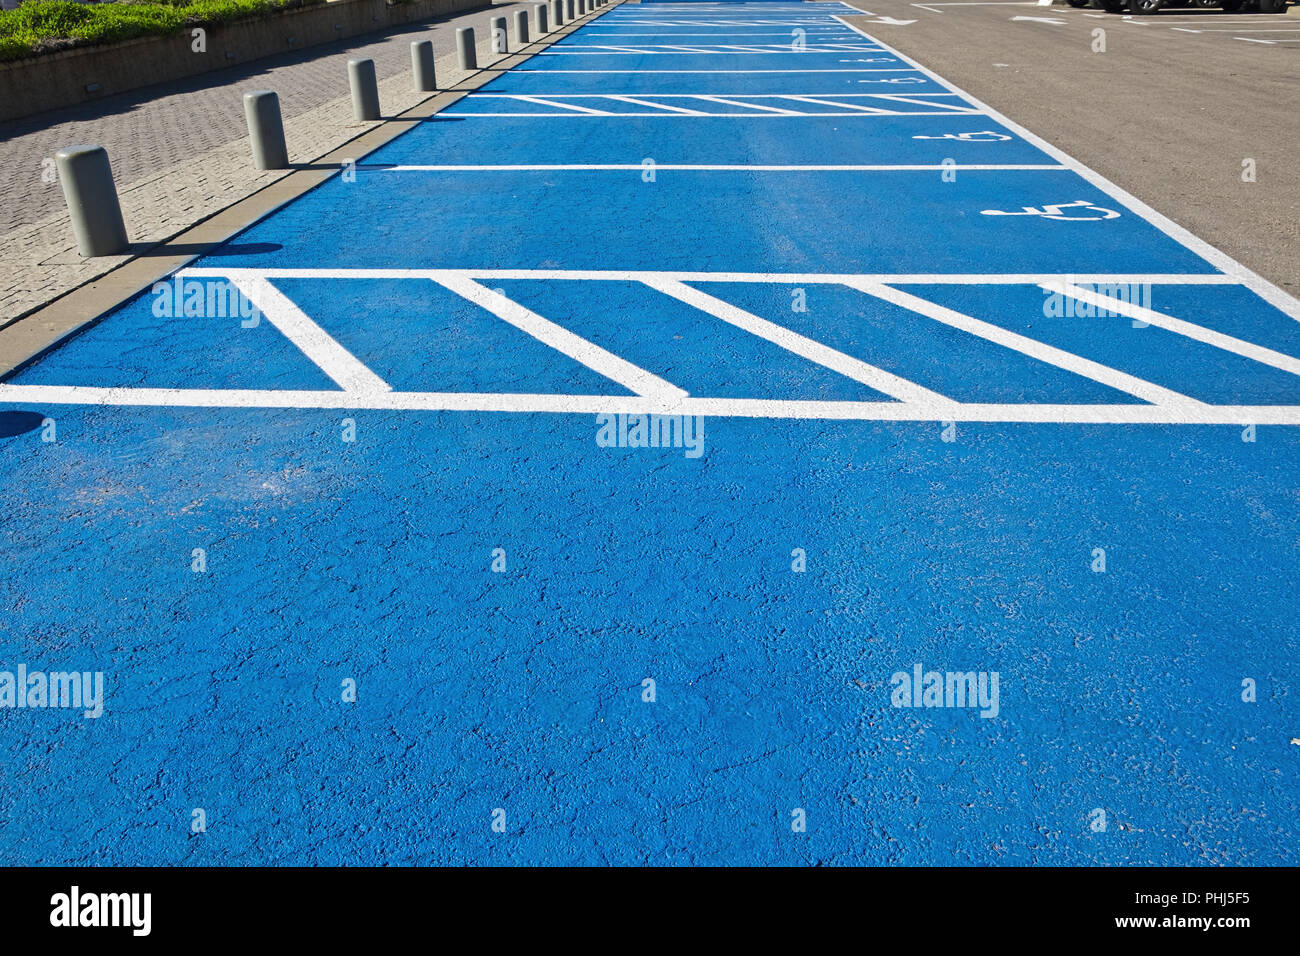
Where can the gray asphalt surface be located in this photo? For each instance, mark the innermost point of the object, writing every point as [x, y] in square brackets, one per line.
[1168, 115]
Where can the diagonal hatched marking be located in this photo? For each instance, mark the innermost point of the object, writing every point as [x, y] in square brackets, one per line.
[805, 347]
[1228, 343]
[599, 360]
[1122, 381]
[313, 341]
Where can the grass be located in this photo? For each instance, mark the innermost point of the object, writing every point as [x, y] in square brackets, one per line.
[41, 26]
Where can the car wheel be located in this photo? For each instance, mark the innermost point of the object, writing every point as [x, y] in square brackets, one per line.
[1206, 4]
[1143, 6]
[1272, 6]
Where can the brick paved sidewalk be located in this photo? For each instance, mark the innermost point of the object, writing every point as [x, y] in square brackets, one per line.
[180, 150]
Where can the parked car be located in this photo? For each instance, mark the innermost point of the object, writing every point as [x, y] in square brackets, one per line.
[1151, 6]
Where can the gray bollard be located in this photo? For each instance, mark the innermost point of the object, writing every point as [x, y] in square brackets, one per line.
[365, 91]
[87, 180]
[265, 130]
[539, 13]
[498, 34]
[422, 66]
[465, 48]
[558, 7]
[521, 27]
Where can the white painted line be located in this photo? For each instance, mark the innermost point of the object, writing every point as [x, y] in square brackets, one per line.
[844, 32]
[786, 51]
[313, 341]
[783, 278]
[561, 339]
[816, 102]
[721, 167]
[753, 106]
[1236, 415]
[744, 72]
[1199, 333]
[560, 97]
[944, 110]
[1122, 381]
[1266, 290]
[813, 351]
[564, 106]
[659, 106]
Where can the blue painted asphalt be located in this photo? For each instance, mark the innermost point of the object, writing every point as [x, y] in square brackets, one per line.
[329, 560]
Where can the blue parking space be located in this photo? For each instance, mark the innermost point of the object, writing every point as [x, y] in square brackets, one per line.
[924, 139]
[598, 472]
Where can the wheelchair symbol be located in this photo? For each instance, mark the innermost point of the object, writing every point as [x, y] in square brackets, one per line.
[1055, 211]
[983, 136]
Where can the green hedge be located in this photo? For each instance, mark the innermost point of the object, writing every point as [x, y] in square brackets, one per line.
[40, 26]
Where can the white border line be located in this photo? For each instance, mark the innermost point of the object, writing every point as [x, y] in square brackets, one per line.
[790, 278]
[638, 167]
[615, 404]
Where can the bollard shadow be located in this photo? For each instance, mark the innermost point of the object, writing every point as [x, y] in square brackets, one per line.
[19, 423]
[210, 249]
[427, 119]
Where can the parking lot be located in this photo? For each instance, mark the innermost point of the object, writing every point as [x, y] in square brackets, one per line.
[963, 387]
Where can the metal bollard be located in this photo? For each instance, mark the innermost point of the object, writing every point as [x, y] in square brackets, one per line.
[265, 130]
[539, 12]
[422, 66]
[499, 44]
[465, 48]
[365, 91]
[521, 27]
[87, 180]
